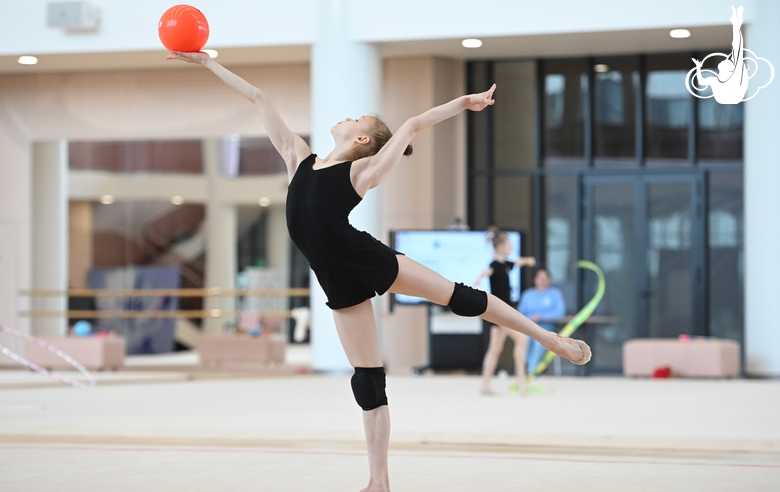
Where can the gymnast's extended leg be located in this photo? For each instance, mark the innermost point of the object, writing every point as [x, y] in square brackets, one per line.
[356, 327]
[417, 280]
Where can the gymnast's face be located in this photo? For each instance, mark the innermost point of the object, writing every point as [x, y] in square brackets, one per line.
[505, 248]
[349, 129]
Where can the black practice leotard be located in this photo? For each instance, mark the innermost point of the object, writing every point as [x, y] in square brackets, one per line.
[318, 205]
[499, 281]
[351, 265]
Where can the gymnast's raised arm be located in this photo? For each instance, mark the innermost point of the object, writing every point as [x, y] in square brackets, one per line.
[290, 146]
[384, 160]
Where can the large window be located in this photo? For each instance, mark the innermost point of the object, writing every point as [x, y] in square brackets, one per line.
[628, 120]
[668, 111]
[615, 82]
[565, 99]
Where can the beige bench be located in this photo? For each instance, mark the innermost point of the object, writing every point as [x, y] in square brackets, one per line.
[232, 349]
[695, 358]
[90, 352]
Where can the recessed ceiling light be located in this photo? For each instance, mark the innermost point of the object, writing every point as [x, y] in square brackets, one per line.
[471, 43]
[27, 60]
[177, 200]
[211, 53]
[601, 67]
[264, 202]
[107, 199]
[680, 33]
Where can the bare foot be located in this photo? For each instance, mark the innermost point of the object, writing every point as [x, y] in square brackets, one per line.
[373, 487]
[576, 351]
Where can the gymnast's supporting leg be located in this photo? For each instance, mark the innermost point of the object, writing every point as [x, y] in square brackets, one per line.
[417, 280]
[356, 327]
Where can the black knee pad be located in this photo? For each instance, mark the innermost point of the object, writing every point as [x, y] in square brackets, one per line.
[368, 386]
[467, 301]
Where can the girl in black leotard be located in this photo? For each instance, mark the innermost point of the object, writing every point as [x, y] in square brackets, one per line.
[351, 265]
[498, 272]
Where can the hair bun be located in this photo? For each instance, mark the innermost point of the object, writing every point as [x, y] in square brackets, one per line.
[408, 150]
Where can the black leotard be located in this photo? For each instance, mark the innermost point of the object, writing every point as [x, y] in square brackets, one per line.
[318, 205]
[499, 281]
[351, 265]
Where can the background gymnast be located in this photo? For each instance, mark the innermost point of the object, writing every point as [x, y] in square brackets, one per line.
[352, 266]
[498, 273]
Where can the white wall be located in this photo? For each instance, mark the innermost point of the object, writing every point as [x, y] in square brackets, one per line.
[762, 203]
[441, 19]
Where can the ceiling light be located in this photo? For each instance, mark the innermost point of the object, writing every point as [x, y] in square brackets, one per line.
[680, 33]
[27, 60]
[177, 200]
[107, 199]
[601, 67]
[471, 43]
[264, 202]
[211, 53]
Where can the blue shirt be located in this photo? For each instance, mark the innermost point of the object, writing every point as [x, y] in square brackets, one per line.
[547, 304]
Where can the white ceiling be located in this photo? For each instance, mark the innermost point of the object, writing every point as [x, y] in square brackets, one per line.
[538, 46]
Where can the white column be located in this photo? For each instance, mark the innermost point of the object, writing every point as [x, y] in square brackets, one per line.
[50, 232]
[346, 80]
[221, 239]
[762, 200]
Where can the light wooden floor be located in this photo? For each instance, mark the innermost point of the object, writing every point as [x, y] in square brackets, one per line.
[302, 433]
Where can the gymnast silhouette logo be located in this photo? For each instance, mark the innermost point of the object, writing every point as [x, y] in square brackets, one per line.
[730, 84]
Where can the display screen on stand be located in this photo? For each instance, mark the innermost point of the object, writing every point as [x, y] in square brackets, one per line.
[460, 256]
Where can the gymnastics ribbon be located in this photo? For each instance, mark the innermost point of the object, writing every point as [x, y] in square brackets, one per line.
[41, 370]
[578, 318]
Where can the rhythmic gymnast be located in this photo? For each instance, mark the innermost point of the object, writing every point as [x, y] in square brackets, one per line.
[352, 266]
[498, 272]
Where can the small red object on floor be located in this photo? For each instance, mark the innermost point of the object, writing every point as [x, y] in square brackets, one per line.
[663, 372]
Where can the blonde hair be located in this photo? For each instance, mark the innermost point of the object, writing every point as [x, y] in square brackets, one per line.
[496, 236]
[379, 138]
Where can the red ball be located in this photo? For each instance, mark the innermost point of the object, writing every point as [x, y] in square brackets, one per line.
[183, 28]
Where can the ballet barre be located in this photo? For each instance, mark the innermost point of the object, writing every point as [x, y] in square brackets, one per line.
[189, 313]
[212, 292]
[209, 292]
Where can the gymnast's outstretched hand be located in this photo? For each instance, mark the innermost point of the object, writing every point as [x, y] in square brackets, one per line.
[478, 102]
[189, 57]
[290, 146]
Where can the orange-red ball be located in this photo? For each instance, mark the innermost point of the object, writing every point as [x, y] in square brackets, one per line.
[183, 28]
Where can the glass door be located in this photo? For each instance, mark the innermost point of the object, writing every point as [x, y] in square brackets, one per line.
[611, 240]
[647, 235]
[674, 257]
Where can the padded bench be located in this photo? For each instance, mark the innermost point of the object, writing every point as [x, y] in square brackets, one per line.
[694, 358]
[91, 352]
[229, 349]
